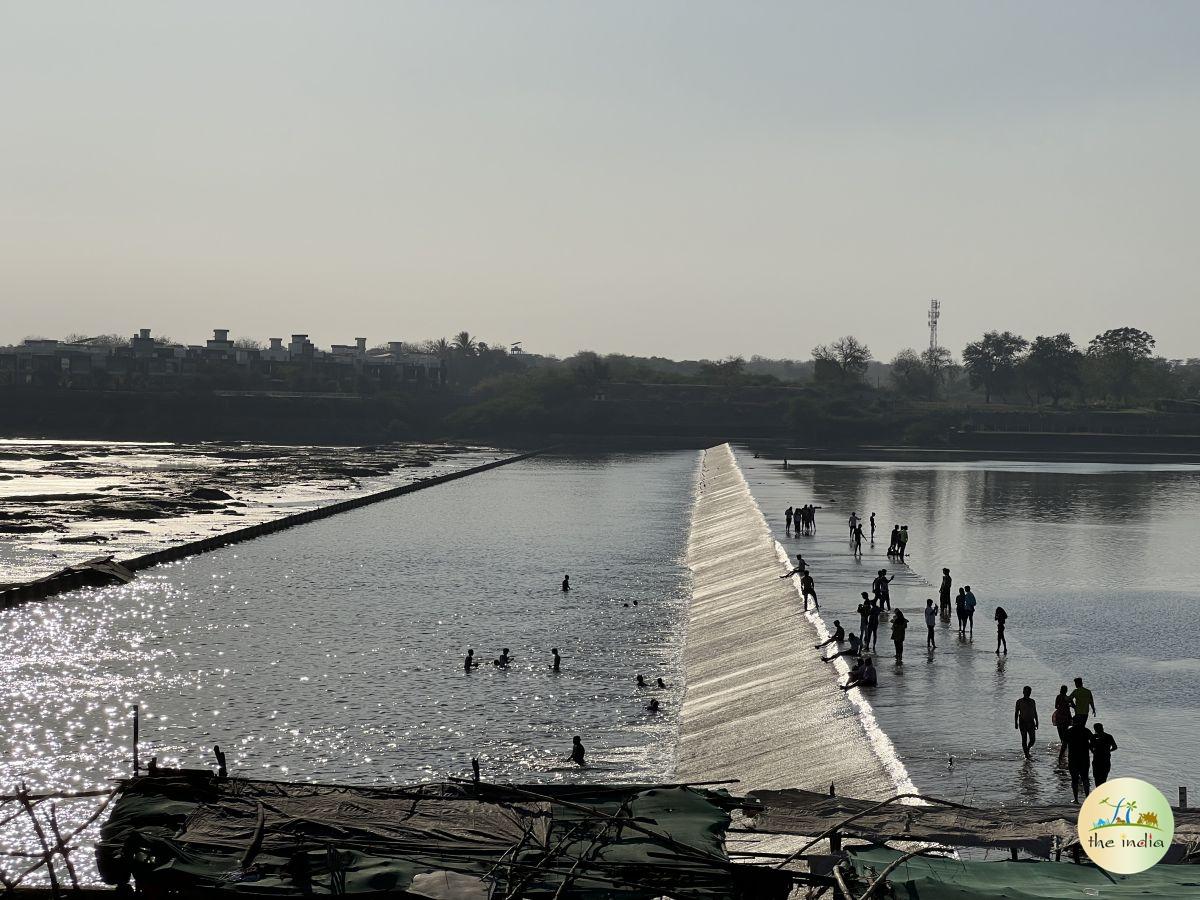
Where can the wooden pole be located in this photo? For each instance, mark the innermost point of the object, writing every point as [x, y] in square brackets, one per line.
[136, 715]
[1182, 797]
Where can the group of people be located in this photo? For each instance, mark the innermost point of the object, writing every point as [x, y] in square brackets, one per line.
[504, 660]
[801, 518]
[1082, 748]
[898, 543]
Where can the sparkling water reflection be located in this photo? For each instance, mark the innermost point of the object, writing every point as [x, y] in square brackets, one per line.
[334, 651]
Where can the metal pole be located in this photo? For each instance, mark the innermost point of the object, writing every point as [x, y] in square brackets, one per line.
[136, 715]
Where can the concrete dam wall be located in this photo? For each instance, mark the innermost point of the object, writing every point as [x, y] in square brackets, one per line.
[760, 705]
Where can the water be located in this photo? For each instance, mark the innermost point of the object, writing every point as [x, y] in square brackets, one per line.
[1092, 563]
[333, 651]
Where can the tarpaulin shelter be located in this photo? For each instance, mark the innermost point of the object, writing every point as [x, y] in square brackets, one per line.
[190, 833]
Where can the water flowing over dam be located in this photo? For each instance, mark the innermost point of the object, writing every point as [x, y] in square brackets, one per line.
[760, 705]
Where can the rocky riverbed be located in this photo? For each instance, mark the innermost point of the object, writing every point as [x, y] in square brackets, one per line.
[63, 502]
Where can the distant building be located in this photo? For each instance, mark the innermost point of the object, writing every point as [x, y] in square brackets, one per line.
[148, 363]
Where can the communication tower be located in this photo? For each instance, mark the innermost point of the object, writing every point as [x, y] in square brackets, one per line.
[935, 313]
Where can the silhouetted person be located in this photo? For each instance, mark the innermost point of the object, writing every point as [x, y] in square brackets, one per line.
[566, 585]
[788, 516]
[1062, 720]
[1079, 745]
[556, 666]
[930, 621]
[839, 635]
[800, 569]
[872, 528]
[853, 523]
[1025, 720]
[969, 603]
[809, 589]
[944, 592]
[1001, 618]
[899, 627]
[577, 751]
[895, 539]
[855, 648]
[864, 677]
[858, 539]
[1082, 701]
[470, 662]
[503, 660]
[902, 542]
[960, 610]
[871, 642]
[652, 706]
[882, 590]
[863, 611]
[661, 683]
[1102, 747]
[641, 682]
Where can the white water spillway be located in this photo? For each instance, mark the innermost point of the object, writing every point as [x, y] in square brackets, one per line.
[760, 705]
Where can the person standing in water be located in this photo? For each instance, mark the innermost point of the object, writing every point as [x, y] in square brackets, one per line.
[1025, 720]
[556, 665]
[899, 626]
[930, 621]
[871, 642]
[1062, 720]
[808, 588]
[577, 751]
[1001, 618]
[566, 583]
[1079, 746]
[788, 516]
[902, 544]
[969, 608]
[470, 662]
[853, 523]
[872, 529]
[879, 587]
[960, 610]
[863, 611]
[1102, 747]
[858, 539]
[895, 541]
[1082, 700]
[944, 593]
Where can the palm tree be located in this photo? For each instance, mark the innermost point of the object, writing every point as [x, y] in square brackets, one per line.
[465, 344]
[441, 347]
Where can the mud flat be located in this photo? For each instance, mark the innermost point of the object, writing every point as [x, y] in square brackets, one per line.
[760, 705]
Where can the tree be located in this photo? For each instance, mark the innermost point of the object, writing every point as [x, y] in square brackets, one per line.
[464, 344]
[1118, 355]
[1052, 367]
[991, 362]
[844, 361]
[726, 371]
[911, 376]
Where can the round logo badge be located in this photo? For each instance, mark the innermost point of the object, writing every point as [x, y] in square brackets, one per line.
[1126, 825]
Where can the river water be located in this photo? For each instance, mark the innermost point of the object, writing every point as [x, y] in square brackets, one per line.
[1094, 565]
[333, 651]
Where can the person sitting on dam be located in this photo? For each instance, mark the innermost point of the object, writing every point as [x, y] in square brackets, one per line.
[800, 569]
[863, 676]
[854, 649]
[838, 636]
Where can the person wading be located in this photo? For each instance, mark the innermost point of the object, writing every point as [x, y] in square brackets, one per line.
[1025, 720]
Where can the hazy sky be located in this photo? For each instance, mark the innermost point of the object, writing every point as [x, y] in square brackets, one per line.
[682, 178]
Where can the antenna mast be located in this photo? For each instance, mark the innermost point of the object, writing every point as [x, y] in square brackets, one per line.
[935, 313]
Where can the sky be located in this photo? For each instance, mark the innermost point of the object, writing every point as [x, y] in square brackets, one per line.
[686, 179]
